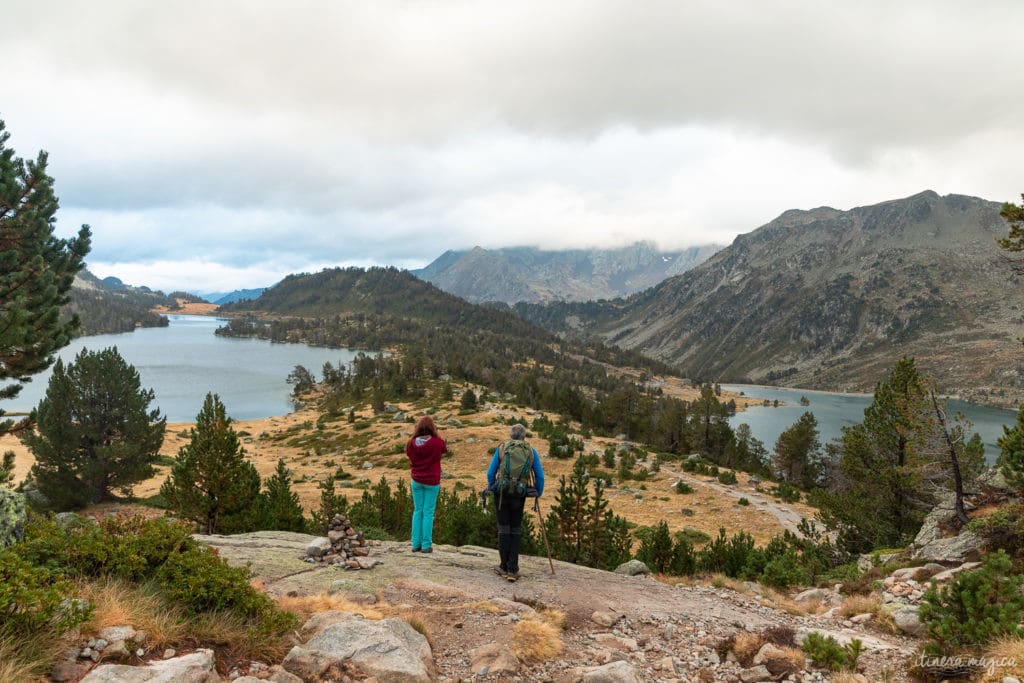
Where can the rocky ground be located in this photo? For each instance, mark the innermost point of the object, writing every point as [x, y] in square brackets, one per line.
[653, 630]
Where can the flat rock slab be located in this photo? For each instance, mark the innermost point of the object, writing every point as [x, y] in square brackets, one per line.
[275, 557]
[197, 667]
[389, 649]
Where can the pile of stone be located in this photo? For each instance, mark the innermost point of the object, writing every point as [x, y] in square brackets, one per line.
[343, 546]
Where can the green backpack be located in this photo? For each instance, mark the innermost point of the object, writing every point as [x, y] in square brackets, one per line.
[515, 468]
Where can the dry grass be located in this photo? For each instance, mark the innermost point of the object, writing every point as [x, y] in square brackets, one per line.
[305, 606]
[555, 617]
[420, 626]
[27, 661]
[783, 602]
[787, 660]
[844, 677]
[535, 640]
[1001, 653]
[117, 603]
[745, 647]
[860, 604]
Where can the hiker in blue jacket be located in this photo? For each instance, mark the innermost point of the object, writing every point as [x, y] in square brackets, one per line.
[515, 474]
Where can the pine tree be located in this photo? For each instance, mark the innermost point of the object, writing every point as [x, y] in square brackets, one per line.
[211, 483]
[877, 498]
[330, 504]
[656, 549]
[797, 458]
[976, 608]
[468, 400]
[1014, 215]
[1011, 452]
[94, 432]
[36, 272]
[567, 521]
[7, 468]
[279, 505]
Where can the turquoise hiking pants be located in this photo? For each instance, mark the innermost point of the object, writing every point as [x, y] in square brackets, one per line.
[424, 500]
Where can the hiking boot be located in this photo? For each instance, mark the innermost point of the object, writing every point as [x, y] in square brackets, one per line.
[500, 572]
[427, 550]
[512, 577]
[415, 550]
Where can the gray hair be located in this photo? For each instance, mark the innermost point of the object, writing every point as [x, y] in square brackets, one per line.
[518, 432]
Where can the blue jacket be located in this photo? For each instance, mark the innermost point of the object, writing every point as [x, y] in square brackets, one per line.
[538, 471]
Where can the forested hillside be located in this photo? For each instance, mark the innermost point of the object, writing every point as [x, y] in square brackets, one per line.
[439, 335]
[106, 309]
[828, 299]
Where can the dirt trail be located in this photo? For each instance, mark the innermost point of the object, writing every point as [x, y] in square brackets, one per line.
[788, 517]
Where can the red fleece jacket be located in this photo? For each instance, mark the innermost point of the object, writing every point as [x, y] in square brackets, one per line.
[424, 454]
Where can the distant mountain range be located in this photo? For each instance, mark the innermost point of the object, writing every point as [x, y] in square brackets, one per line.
[529, 274]
[231, 297]
[108, 306]
[830, 299]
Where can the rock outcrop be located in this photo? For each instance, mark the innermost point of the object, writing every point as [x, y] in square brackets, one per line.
[197, 667]
[934, 545]
[389, 649]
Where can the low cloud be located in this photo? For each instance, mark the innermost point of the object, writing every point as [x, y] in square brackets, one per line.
[250, 132]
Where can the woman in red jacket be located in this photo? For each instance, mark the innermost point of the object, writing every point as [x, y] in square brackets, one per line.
[424, 451]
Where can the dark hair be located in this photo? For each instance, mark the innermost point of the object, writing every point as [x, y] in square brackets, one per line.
[425, 426]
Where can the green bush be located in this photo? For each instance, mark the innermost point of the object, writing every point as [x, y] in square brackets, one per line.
[786, 492]
[743, 501]
[682, 487]
[727, 477]
[32, 600]
[784, 571]
[726, 555]
[976, 607]
[201, 582]
[140, 550]
[827, 653]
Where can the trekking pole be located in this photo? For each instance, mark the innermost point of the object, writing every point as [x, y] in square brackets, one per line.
[544, 533]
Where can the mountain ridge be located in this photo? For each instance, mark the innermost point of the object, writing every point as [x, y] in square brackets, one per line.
[513, 274]
[828, 299]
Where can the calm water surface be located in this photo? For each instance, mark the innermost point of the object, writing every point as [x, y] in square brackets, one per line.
[835, 411]
[182, 362]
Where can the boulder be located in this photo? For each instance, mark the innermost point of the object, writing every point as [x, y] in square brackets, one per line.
[606, 619]
[614, 672]
[812, 594]
[112, 634]
[492, 659]
[197, 667]
[908, 620]
[932, 545]
[12, 517]
[632, 568]
[755, 674]
[778, 660]
[318, 547]
[390, 649]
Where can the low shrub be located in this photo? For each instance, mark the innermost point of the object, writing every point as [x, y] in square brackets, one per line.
[827, 653]
[975, 608]
[682, 487]
[35, 600]
[744, 502]
[727, 477]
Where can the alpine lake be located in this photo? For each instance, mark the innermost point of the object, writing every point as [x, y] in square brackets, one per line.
[185, 360]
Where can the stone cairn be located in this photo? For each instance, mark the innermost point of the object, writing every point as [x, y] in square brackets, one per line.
[343, 546]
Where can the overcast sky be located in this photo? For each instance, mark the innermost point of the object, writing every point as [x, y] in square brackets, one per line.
[220, 145]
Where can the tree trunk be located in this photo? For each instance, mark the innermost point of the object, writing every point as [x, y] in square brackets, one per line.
[954, 463]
